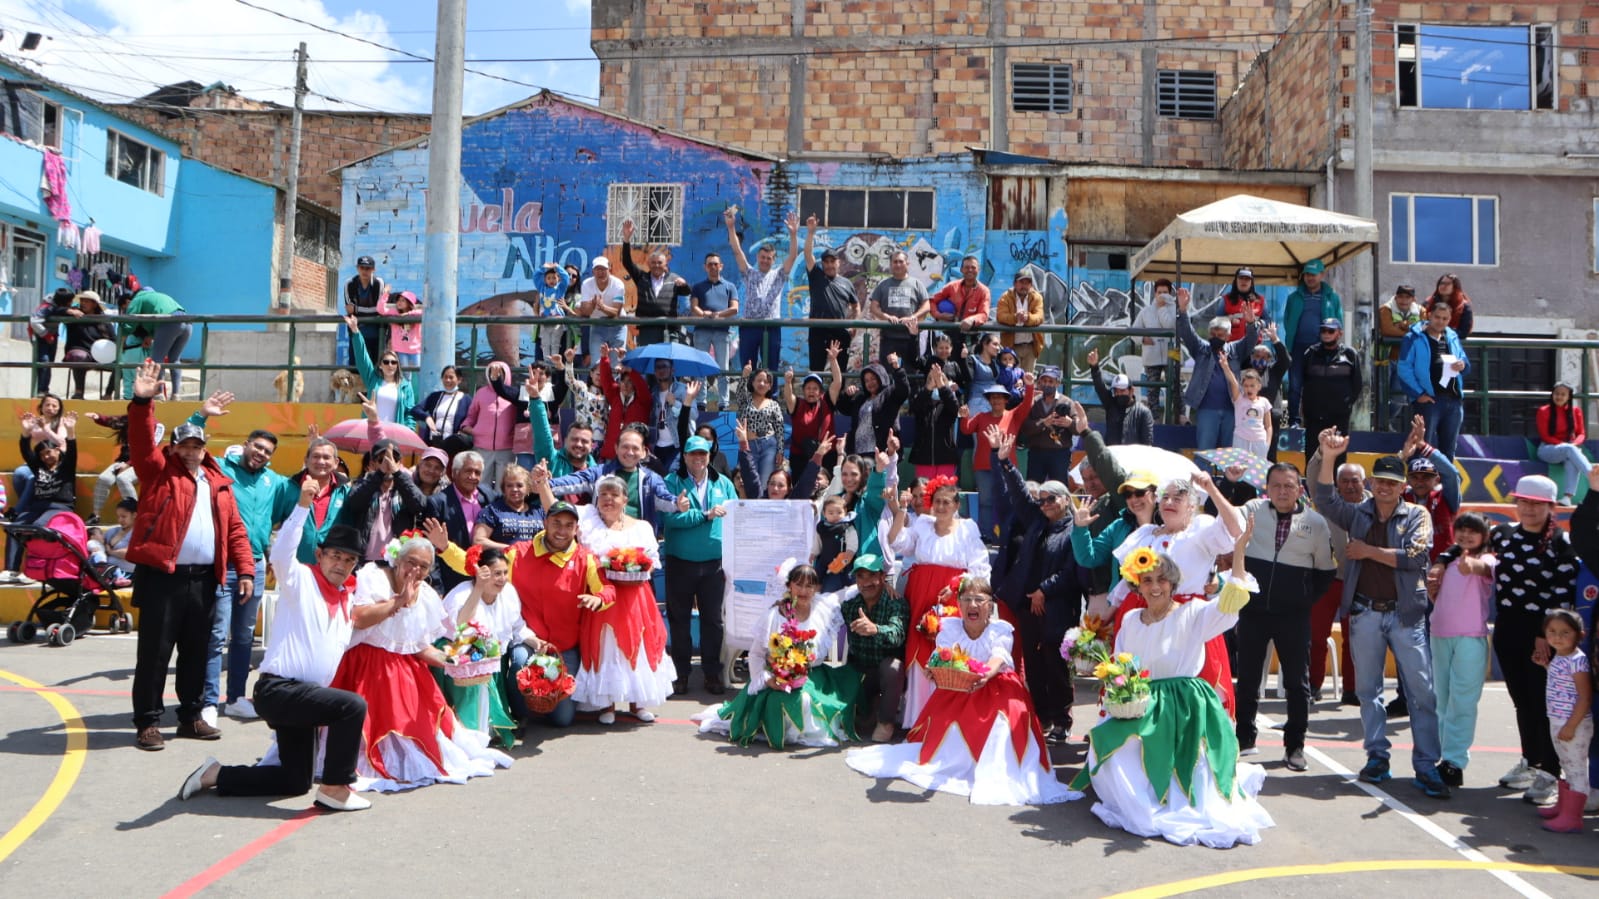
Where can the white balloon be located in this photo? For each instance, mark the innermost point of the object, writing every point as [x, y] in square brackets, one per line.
[104, 351]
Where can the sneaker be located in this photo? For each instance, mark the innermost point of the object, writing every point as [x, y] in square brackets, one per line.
[884, 733]
[198, 730]
[1542, 789]
[1517, 778]
[150, 739]
[8, 577]
[1430, 783]
[1567, 499]
[1399, 708]
[1451, 774]
[1247, 748]
[1376, 771]
[209, 715]
[243, 709]
[1294, 760]
[1349, 699]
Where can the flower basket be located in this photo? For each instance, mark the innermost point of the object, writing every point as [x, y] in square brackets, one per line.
[626, 563]
[1135, 708]
[1084, 667]
[544, 683]
[625, 576]
[472, 674]
[946, 678]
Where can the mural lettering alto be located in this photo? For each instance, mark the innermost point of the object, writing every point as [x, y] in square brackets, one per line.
[526, 255]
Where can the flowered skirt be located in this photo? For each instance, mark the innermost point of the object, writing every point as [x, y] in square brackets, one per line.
[821, 713]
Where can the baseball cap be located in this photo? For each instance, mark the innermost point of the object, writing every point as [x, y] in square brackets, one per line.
[1049, 371]
[828, 254]
[1023, 275]
[561, 507]
[1332, 324]
[868, 562]
[187, 431]
[1138, 480]
[1120, 382]
[1388, 468]
[1422, 465]
[365, 262]
[1244, 272]
[697, 445]
[433, 452]
[1314, 267]
[601, 262]
[1535, 487]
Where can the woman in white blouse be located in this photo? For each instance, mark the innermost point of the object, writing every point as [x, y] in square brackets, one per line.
[1174, 773]
[623, 645]
[412, 738]
[1193, 540]
[986, 744]
[489, 600]
[945, 546]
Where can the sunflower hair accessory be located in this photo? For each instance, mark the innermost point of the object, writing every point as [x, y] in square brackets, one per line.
[1138, 563]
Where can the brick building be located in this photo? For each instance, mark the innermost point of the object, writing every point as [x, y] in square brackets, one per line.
[220, 126]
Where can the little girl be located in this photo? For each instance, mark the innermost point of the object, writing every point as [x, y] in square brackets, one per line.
[552, 304]
[1462, 583]
[1251, 412]
[405, 339]
[1568, 696]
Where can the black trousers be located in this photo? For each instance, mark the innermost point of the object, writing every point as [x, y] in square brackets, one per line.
[1047, 678]
[294, 710]
[1291, 634]
[689, 584]
[1513, 639]
[174, 613]
[1320, 420]
[820, 338]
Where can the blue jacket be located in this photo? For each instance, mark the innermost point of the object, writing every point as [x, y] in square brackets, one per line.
[1415, 360]
[1205, 358]
[582, 483]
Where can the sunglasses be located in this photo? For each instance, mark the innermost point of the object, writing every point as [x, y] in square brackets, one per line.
[390, 362]
[1048, 498]
[1129, 492]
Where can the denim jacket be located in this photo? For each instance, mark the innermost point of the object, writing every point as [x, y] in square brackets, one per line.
[1409, 531]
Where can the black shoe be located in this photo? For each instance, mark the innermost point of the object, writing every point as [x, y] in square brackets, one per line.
[1294, 760]
[1398, 709]
[679, 688]
[1349, 699]
[1376, 771]
[715, 687]
[1247, 748]
[1451, 774]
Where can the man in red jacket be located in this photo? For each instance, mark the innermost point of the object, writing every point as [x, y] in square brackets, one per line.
[185, 535]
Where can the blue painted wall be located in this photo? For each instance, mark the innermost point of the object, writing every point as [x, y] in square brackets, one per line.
[222, 244]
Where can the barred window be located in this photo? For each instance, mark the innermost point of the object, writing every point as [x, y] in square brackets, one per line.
[656, 211]
[1041, 87]
[882, 209]
[1186, 94]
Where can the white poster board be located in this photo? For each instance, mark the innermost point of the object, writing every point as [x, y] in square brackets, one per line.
[758, 535]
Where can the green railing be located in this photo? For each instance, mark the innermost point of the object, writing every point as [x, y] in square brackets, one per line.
[1485, 370]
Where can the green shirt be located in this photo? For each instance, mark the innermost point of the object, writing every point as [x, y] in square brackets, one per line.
[890, 615]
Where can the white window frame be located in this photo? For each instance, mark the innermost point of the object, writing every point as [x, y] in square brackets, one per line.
[656, 210]
[1410, 230]
[155, 171]
[866, 225]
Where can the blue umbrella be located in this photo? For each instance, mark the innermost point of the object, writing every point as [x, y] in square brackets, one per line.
[687, 362]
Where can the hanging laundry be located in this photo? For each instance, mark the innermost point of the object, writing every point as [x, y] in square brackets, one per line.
[54, 186]
[67, 235]
[75, 278]
[91, 239]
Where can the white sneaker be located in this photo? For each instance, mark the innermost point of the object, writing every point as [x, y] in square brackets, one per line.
[209, 715]
[1592, 805]
[1517, 778]
[242, 709]
[608, 717]
[8, 577]
[1542, 790]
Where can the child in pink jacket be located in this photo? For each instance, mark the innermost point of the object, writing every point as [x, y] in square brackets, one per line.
[405, 338]
[492, 423]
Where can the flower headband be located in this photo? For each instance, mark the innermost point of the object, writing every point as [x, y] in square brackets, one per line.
[472, 556]
[934, 485]
[392, 549]
[1138, 563]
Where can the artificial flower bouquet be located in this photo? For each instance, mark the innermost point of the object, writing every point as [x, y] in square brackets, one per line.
[544, 683]
[933, 619]
[1125, 684]
[789, 655]
[1086, 644]
[952, 668]
[473, 656]
[626, 563]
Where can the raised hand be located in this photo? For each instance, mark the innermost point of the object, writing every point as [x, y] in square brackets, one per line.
[791, 220]
[1332, 443]
[1202, 481]
[351, 322]
[1234, 472]
[147, 379]
[1006, 445]
[216, 404]
[833, 347]
[729, 215]
[993, 435]
[810, 222]
[1183, 299]
[308, 491]
[627, 230]
[1082, 514]
[1093, 357]
[892, 443]
[70, 420]
[743, 436]
[964, 412]
[893, 358]
[369, 407]
[691, 390]
[682, 502]
[437, 534]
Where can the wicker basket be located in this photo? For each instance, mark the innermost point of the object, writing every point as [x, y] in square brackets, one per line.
[473, 674]
[953, 679]
[1135, 709]
[1083, 667]
[543, 703]
[626, 576]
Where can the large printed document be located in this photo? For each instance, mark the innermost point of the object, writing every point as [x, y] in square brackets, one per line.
[758, 536]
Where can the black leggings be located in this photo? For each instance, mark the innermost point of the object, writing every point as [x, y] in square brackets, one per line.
[1513, 641]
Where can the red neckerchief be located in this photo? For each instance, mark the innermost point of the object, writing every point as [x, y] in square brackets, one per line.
[337, 598]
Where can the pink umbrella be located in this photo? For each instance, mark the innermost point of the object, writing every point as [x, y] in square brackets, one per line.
[357, 435]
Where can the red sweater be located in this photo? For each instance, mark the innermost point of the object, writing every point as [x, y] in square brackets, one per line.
[810, 422]
[1561, 426]
[620, 415]
[1010, 422]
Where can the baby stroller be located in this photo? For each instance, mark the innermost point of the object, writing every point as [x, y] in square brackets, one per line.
[71, 588]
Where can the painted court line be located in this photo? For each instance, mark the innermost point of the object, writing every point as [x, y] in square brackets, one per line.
[66, 774]
[234, 860]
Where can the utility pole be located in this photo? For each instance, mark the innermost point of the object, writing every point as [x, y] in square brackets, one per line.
[444, 194]
[291, 202]
[1365, 265]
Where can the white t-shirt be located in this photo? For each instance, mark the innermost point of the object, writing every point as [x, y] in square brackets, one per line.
[613, 294]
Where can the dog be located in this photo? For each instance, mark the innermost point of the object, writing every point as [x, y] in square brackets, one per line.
[281, 385]
[346, 386]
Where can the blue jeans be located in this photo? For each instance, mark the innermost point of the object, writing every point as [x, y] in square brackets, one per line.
[21, 487]
[718, 343]
[763, 452]
[1371, 636]
[987, 492]
[1212, 428]
[753, 340]
[1569, 455]
[563, 714]
[1443, 416]
[1049, 465]
[1458, 668]
[232, 625]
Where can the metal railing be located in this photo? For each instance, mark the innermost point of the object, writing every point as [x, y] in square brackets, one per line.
[1483, 356]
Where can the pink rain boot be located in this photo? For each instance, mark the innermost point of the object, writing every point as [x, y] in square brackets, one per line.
[1569, 820]
[1549, 811]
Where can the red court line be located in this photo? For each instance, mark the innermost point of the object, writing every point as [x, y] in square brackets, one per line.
[237, 858]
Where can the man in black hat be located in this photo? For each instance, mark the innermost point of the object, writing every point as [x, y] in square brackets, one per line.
[1332, 384]
[832, 297]
[310, 631]
[361, 296]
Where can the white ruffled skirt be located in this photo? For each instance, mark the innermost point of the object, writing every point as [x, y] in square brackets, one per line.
[465, 756]
[918, 689]
[618, 680]
[995, 777]
[1127, 800]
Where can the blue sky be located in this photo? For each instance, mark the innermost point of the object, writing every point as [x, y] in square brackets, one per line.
[116, 49]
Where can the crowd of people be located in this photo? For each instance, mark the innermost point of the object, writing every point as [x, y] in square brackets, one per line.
[544, 532]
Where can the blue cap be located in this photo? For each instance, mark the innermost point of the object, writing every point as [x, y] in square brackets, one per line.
[1332, 324]
[697, 445]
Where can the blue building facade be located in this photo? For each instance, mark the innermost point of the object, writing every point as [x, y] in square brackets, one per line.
[199, 233]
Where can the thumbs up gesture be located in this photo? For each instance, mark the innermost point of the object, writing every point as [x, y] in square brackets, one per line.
[861, 625]
[682, 502]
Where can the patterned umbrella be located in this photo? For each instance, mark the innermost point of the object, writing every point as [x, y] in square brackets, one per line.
[1228, 456]
[353, 435]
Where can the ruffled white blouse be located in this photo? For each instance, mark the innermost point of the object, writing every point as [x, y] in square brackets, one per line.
[601, 538]
[962, 547]
[503, 617]
[408, 632]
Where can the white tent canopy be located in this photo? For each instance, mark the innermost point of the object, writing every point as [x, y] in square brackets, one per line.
[1272, 238]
